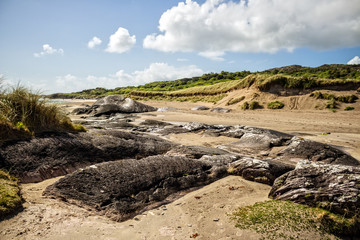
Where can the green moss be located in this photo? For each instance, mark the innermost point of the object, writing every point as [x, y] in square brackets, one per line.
[275, 105]
[10, 199]
[291, 220]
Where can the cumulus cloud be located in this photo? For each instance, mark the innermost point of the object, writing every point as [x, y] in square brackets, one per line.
[121, 41]
[48, 50]
[354, 61]
[219, 26]
[154, 72]
[94, 42]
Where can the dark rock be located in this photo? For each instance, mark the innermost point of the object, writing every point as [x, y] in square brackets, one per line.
[220, 110]
[333, 187]
[195, 151]
[200, 108]
[149, 122]
[83, 110]
[119, 104]
[54, 155]
[122, 189]
[258, 170]
[302, 149]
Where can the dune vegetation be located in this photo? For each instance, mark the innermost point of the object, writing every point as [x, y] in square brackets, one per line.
[24, 114]
[205, 87]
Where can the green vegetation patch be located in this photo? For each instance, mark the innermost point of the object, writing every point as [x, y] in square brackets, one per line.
[287, 220]
[348, 108]
[275, 105]
[343, 98]
[10, 199]
[250, 105]
[23, 114]
[235, 100]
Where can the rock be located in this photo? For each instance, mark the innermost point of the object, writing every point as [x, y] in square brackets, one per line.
[258, 170]
[167, 109]
[154, 123]
[195, 152]
[119, 104]
[302, 149]
[220, 110]
[121, 189]
[200, 108]
[55, 155]
[333, 187]
[195, 126]
[82, 110]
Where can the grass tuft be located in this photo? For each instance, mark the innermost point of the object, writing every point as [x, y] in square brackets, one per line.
[24, 114]
[275, 105]
[287, 220]
[235, 100]
[10, 199]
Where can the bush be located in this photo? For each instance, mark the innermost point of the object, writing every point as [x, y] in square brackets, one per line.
[347, 98]
[348, 108]
[331, 104]
[275, 105]
[251, 106]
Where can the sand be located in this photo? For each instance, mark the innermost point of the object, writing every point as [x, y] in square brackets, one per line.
[205, 211]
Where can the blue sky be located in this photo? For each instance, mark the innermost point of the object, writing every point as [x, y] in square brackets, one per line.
[47, 45]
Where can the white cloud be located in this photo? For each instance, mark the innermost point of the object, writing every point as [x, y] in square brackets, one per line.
[355, 60]
[48, 50]
[154, 72]
[216, 56]
[121, 41]
[218, 26]
[94, 42]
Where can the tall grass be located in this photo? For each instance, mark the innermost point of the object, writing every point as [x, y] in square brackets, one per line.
[23, 113]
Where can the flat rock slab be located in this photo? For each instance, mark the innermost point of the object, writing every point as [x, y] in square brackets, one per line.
[333, 187]
[55, 155]
[121, 189]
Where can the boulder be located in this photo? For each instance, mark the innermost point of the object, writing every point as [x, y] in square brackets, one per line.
[259, 170]
[200, 108]
[333, 187]
[220, 110]
[119, 104]
[122, 189]
[55, 155]
[195, 152]
[302, 149]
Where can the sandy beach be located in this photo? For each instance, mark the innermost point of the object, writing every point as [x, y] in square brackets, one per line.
[203, 213]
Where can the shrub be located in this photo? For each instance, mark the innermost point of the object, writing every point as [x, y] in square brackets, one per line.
[251, 106]
[275, 105]
[347, 98]
[348, 108]
[331, 104]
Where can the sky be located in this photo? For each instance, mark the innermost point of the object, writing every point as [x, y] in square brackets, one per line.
[66, 45]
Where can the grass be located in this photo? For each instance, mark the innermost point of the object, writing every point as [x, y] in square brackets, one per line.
[24, 114]
[250, 105]
[342, 98]
[287, 220]
[235, 100]
[348, 108]
[10, 199]
[275, 105]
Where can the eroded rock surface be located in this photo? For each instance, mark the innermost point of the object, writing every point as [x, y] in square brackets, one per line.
[121, 189]
[54, 155]
[333, 187]
[115, 104]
